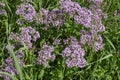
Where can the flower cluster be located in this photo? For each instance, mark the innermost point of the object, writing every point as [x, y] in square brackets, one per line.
[74, 54]
[56, 41]
[83, 17]
[54, 17]
[27, 11]
[25, 37]
[95, 1]
[92, 37]
[89, 18]
[80, 14]
[20, 22]
[9, 66]
[10, 62]
[2, 10]
[94, 41]
[11, 70]
[69, 7]
[44, 55]
[2, 4]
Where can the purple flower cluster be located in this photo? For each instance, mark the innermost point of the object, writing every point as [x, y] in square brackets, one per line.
[87, 17]
[54, 17]
[20, 22]
[56, 41]
[95, 1]
[69, 40]
[83, 17]
[90, 18]
[116, 13]
[92, 37]
[12, 46]
[74, 54]
[27, 11]
[2, 4]
[2, 10]
[25, 37]
[96, 10]
[97, 25]
[8, 64]
[69, 7]
[44, 55]
[94, 41]
[80, 14]
[11, 70]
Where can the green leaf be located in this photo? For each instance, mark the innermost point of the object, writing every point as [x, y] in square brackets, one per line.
[7, 74]
[110, 43]
[41, 74]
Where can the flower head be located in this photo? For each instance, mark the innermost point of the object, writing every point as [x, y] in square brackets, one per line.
[74, 55]
[45, 55]
[26, 36]
[27, 11]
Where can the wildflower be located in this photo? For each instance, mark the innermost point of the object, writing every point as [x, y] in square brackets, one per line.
[96, 9]
[115, 12]
[8, 61]
[27, 11]
[70, 39]
[83, 17]
[0, 74]
[79, 62]
[69, 7]
[66, 41]
[25, 37]
[12, 46]
[2, 4]
[85, 38]
[9, 67]
[56, 42]
[96, 1]
[44, 55]
[87, 17]
[2, 12]
[11, 70]
[54, 17]
[20, 22]
[74, 55]
[80, 14]
[92, 40]
[98, 46]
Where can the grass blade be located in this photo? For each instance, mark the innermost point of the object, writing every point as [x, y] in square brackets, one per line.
[16, 62]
